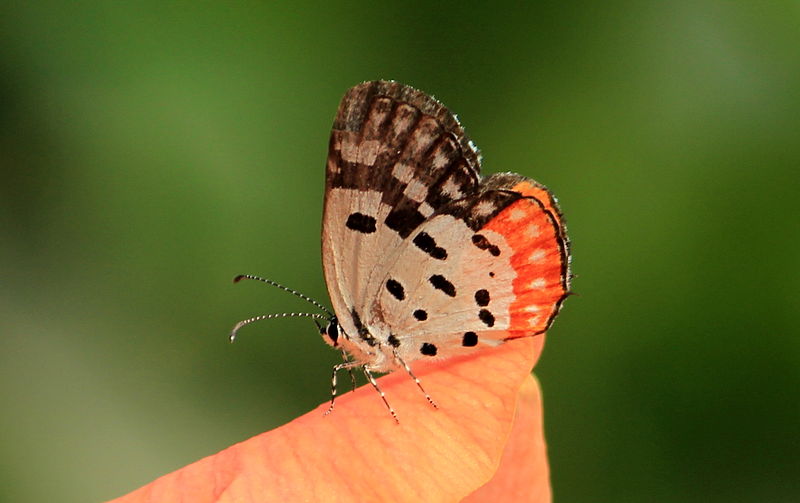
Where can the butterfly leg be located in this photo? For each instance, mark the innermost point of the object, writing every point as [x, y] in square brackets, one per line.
[380, 392]
[419, 384]
[350, 371]
[336, 368]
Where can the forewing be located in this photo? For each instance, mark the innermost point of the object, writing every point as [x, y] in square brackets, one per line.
[482, 270]
[396, 156]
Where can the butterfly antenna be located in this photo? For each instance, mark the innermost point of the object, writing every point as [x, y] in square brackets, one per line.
[285, 289]
[248, 321]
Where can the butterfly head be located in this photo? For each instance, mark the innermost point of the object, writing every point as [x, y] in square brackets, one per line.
[330, 332]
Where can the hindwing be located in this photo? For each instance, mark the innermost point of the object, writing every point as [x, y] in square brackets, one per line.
[490, 267]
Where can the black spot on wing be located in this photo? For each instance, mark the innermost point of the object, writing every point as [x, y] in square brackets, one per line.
[426, 243]
[396, 289]
[421, 314]
[470, 339]
[482, 243]
[439, 282]
[487, 317]
[428, 349]
[361, 223]
[403, 220]
[482, 297]
[393, 341]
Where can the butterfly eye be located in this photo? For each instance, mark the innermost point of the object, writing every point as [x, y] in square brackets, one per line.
[332, 331]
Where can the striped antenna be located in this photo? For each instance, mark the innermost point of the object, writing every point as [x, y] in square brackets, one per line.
[268, 316]
[285, 289]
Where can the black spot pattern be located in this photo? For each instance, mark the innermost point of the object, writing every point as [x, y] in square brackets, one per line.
[491, 274]
[470, 339]
[421, 315]
[439, 282]
[393, 341]
[361, 223]
[428, 349]
[426, 243]
[404, 220]
[481, 242]
[487, 317]
[396, 289]
[482, 297]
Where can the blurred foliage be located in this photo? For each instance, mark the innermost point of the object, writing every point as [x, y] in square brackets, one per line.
[150, 152]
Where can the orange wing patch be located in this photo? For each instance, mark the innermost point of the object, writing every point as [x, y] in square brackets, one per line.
[540, 192]
[532, 227]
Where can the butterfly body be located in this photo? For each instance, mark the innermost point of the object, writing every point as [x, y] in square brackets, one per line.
[423, 257]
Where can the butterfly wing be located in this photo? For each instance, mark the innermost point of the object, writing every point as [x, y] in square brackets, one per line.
[396, 156]
[483, 269]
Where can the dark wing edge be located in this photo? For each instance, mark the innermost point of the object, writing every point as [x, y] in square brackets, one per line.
[355, 106]
[396, 140]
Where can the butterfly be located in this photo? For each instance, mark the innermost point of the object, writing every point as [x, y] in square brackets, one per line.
[423, 257]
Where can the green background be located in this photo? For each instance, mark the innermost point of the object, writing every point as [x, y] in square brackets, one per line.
[150, 152]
